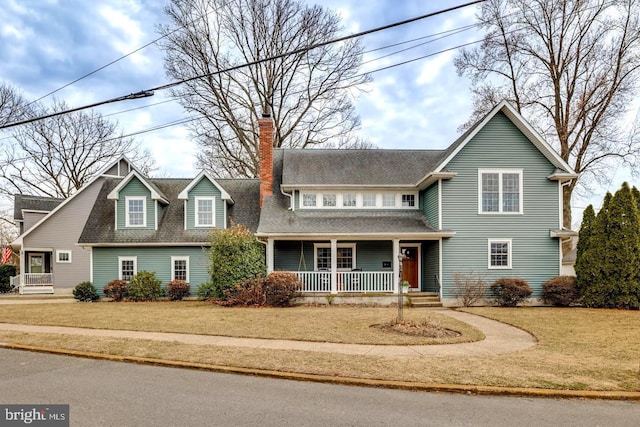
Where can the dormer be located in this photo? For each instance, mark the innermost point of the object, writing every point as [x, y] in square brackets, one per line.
[138, 203]
[205, 203]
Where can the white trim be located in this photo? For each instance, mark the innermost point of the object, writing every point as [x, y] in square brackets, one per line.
[500, 173]
[440, 280]
[115, 207]
[196, 212]
[224, 215]
[269, 254]
[379, 196]
[360, 236]
[173, 266]
[34, 254]
[155, 207]
[128, 199]
[64, 251]
[509, 254]
[334, 255]
[396, 265]
[127, 258]
[91, 278]
[185, 213]
[440, 225]
[155, 195]
[560, 206]
[184, 194]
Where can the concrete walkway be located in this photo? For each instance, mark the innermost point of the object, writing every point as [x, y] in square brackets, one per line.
[500, 338]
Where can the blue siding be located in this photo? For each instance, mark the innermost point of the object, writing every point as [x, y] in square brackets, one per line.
[429, 204]
[205, 188]
[135, 188]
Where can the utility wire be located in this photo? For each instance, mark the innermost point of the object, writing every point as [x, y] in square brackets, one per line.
[150, 92]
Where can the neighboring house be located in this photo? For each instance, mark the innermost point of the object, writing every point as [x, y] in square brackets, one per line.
[490, 204]
[163, 225]
[49, 231]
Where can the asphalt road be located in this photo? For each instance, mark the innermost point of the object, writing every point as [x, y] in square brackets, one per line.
[102, 393]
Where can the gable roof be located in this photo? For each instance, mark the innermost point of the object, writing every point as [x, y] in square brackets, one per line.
[156, 194]
[26, 202]
[100, 227]
[101, 174]
[184, 194]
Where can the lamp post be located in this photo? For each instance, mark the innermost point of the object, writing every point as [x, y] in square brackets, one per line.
[400, 296]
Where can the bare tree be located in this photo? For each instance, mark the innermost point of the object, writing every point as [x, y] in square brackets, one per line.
[56, 156]
[11, 104]
[307, 93]
[572, 67]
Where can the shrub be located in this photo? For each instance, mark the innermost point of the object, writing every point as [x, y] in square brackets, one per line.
[145, 287]
[85, 292]
[177, 289]
[509, 292]
[116, 290]
[278, 289]
[235, 255]
[6, 272]
[560, 291]
[281, 288]
[206, 291]
[469, 288]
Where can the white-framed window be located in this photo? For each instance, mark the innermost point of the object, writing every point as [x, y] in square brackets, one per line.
[349, 200]
[346, 256]
[308, 200]
[180, 268]
[499, 254]
[329, 200]
[63, 256]
[127, 267]
[136, 215]
[408, 200]
[205, 212]
[500, 191]
[369, 200]
[388, 200]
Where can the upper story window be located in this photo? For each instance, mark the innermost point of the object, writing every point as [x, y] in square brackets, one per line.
[136, 215]
[369, 200]
[205, 210]
[364, 200]
[349, 200]
[388, 200]
[329, 200]
[500, 191]
[63, 256]
[408, 200]
[308, 200]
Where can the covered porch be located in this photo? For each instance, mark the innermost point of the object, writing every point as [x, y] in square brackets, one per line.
[36, 275]
[358, 265]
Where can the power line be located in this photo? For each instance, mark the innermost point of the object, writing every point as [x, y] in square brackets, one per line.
[150, 92]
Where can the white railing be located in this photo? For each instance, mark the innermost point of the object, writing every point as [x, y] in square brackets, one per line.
[347, 282]
[37, 279]
[14, 281]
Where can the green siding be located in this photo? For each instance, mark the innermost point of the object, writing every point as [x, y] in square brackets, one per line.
[135, 188]
[157, 260]
[429, 204]
[535, 255]
[205, 188]
[430, 266]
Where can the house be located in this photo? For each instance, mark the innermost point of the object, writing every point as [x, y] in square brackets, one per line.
[363, 221]
[347, 222]
[49, 230]
[163, 225]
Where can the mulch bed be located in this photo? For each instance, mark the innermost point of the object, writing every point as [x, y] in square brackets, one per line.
[419, 329]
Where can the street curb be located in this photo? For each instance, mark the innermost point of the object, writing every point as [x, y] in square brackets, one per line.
[361, 382]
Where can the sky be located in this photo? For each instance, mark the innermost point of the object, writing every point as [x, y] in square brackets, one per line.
[46, 44]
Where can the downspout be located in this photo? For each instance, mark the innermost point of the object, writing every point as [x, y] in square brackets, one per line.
[292, 206]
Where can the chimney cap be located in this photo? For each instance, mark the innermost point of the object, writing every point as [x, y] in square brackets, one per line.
[266, 115]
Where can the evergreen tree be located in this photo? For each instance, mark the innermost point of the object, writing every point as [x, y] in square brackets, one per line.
[594, 259]
[623, 250]
[585, 267]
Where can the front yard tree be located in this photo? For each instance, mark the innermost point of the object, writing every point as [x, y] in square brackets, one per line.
[587, 265]
[235, 255]
[307, 93]
[571, 67]
[54, 157]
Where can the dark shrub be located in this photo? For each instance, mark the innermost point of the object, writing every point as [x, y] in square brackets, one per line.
[116, 290]
[85, 292]
[144, 287]
[206, 291]
[6, 272]
[281, 288]
[177, 289]
[560, 291]
[278, 289]
[509, 292]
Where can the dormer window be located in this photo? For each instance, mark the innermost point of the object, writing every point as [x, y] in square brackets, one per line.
[205, 207]
[136, 211]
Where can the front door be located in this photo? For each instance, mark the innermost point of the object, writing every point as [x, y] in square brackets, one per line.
[410, 266]
[36, 263]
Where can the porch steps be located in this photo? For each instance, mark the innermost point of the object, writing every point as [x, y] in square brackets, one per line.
[424, 299]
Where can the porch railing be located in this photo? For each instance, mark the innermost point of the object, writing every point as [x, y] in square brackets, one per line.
[347, 282]
[37, 279]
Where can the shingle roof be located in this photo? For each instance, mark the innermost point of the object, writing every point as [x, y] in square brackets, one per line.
[36, 203]
[358, 167]
[100, 228]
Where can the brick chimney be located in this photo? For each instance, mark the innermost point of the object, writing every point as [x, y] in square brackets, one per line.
[265, 126]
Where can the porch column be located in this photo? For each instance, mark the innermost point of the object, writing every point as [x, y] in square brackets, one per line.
[269, 255]
[334, 266]
[396, 266]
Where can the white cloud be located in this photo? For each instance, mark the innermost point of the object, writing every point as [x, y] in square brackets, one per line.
[431, 69]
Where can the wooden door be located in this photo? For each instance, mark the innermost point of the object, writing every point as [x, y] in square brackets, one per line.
[410, 266]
